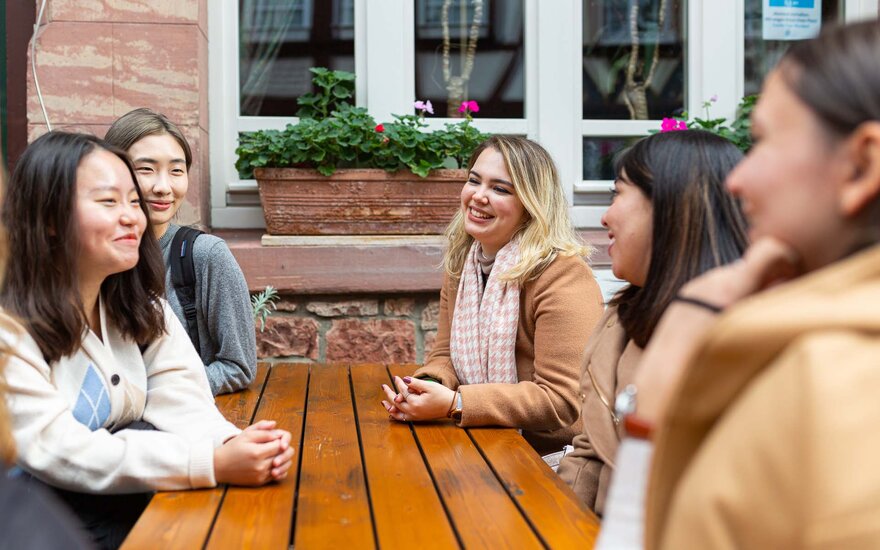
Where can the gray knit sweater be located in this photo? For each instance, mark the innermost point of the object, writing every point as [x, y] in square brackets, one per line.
[226, 323]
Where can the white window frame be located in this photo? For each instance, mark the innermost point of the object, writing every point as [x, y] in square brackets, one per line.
[384, 64]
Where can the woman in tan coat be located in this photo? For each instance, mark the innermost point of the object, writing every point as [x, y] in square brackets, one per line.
[517, 305]
[766, 414]
[671, 220]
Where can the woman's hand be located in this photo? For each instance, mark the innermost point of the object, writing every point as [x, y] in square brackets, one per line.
[680, 330]
[257, 455]
[417, 399]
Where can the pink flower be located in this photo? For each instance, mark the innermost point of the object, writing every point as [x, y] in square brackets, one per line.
[469, 106]
[424, 106]
[671, 125]
[380, 128]
[714, 98]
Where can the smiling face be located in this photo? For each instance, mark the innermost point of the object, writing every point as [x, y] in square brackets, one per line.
[160, 165]
[789, 181]
[109, 218]
[630, 222]
[492, 211]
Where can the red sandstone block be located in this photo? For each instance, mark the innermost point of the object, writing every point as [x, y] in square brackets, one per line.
[373, 341]
[349, 308]
[288, 336]
[400, 307]
[38, 129]
[285, 304]
[157, 66]
[202, 178]
[75, 71]
[154, 11]
[430, 338]
[430, 314]
[77, 10]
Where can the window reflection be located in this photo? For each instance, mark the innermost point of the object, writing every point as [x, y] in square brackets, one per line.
[280, 40]
[633, 58]
[599, 155]
[470, 50]
[760, 55]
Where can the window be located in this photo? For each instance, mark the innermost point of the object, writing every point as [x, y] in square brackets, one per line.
[559, 72]
[280, 40]
[468, 50]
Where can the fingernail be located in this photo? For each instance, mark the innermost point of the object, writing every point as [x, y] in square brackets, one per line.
[407, 379]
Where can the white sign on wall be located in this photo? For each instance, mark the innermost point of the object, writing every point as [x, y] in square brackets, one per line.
[792, 19]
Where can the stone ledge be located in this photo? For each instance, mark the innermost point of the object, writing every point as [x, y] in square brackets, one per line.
[358, 264]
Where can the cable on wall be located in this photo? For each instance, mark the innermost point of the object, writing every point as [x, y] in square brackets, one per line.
[34, 64]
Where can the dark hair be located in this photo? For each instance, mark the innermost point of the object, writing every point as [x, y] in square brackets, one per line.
[135, 125]
[697, 225]
[41, 285]
[837, 75]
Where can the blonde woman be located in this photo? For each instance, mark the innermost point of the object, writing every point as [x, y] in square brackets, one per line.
[517, 305]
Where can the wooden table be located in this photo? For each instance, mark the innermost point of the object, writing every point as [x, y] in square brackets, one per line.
[360, 480]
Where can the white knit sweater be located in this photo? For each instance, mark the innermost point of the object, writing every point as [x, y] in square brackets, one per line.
[63, 414]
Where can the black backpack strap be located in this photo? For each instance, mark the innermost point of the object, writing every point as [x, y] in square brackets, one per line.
[183, 278]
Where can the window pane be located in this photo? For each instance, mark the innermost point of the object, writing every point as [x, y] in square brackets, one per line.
[634, 56]
[470, 50]
[280, 40]
[761, 55]
[599, 153]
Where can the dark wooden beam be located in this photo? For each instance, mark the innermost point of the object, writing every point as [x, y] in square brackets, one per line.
[20, 17]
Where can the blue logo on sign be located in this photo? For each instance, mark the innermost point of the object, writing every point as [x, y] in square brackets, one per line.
[808, 4]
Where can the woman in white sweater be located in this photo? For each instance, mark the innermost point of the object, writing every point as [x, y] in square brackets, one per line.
[99, 353]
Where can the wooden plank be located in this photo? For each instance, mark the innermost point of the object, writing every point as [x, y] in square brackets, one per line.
[260, 517]
[182, 519]
[239, 407]
[483, 512]
[555, 512]
[333, 508]
[402, 492]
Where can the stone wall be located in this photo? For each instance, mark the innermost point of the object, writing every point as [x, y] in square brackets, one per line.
[97, 60]
[351, 329]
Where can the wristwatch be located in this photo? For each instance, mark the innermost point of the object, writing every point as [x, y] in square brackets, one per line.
[455, 411]
[625, 410]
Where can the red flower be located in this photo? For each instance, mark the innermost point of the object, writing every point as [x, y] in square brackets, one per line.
[380, 128]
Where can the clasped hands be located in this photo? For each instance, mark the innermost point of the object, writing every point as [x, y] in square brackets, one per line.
[417, 399]
[259, 454]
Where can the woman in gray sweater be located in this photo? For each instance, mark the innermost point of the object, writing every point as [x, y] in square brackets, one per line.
[226, 339]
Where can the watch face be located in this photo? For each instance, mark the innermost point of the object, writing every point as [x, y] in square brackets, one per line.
[625, 403]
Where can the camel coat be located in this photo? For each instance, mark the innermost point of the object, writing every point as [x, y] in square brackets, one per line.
[771, 440]
[609, 365]
[558, 311]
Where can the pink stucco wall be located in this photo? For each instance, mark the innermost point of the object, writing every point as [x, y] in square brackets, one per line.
[98, 59]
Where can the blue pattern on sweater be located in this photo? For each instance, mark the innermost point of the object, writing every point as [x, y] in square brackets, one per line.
[93, 405]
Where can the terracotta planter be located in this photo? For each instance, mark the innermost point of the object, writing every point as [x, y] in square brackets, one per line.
[299, 201]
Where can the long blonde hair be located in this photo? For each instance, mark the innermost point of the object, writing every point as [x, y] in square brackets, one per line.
[546, 233]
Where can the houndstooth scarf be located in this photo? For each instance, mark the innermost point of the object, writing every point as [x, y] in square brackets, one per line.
[484, 324]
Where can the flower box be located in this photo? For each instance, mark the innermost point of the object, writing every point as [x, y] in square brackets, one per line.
[358, 201]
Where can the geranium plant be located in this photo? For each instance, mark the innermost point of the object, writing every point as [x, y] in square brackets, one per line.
[332, 133]
[738, 132]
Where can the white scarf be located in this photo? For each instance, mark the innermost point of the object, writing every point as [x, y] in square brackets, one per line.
[482, 345]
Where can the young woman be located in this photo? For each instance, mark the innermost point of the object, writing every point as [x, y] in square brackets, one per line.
[517, 304]
[766, 412]
[226, 338]
[22, 506]
[96, 352]
[671, 220]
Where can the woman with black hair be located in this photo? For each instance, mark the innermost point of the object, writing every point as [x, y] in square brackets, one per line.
[671, 220]
[762, 381]
[95, 351]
